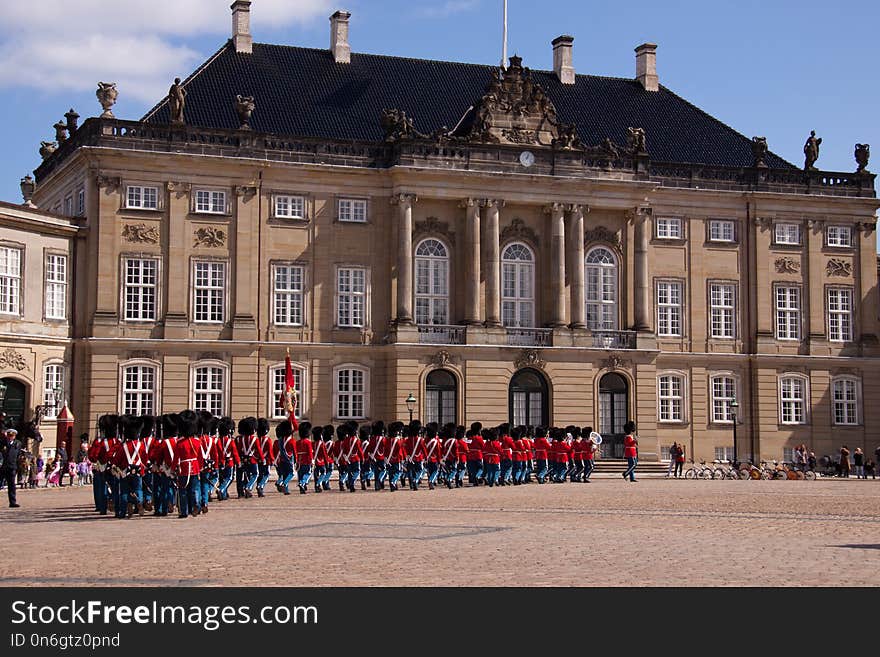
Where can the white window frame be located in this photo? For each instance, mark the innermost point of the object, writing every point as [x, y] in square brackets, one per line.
[522, 305]
[210, 201]
[724, 453]
[289, 206]
[276, 389]
[722, 230]
[141, 197]
[785, 313]
[140, 289]
[602, 272]
[140, 392]
[722, 307]
[285, 300]
[840, 321]
[68, 206]
[851, 407]
[669, 228]
[838, 236]
[55, 293]
[81, 202]
[348, 299]
[666, 311]
[353, 210]
[212, 292]
[671, 406]
[338, 394]
[725, 417]
[11, 279]
[53, 376]
[787, 233]
[790, 401]
[428, 266]
[223, 391]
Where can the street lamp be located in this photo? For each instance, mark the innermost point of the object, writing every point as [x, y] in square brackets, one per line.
[733, 406]
[410, 405]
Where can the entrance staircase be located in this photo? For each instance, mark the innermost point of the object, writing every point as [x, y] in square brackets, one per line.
[617, 466]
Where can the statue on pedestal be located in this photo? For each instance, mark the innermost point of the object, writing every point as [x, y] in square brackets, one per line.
[811, 151]
[177, 101]
[107, 94]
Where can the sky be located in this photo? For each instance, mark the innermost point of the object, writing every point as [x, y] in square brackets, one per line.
[775, 68]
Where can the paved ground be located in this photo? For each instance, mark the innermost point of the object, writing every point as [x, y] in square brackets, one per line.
[655, 532]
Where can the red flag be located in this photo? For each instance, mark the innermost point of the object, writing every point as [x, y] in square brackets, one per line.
[290, 392]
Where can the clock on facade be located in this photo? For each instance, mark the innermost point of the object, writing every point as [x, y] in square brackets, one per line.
[527, 159]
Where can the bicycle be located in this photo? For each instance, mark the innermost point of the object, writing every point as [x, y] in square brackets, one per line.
[702, 471]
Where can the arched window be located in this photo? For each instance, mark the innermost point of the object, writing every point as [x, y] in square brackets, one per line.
[139, 389]
[518, 286]
[793, 398]
[670, 397]
[432, 282]
[277, 383]
[723, 395]
[845, 400]
[528, 399]
[209, 387]
[351, 392]
[53, 379]
[601, 292]
[441, 397]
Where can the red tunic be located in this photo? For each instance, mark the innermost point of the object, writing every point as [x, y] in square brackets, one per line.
[475, 449]
[337, 452]
[433, 448]
[228, 452]
[101, 451]
[269, 449]
[320, 453]
[186, 457]
[589, 450]
[629, 446]
[559, 451]
[354, 449]
[396, 451]
[249, 449]
[492, 452]
[508, 446]
[415, 447]
[450, 450]
[376, 448]
[305, 453]
[130, 454]
[542, 448]
[462, 449]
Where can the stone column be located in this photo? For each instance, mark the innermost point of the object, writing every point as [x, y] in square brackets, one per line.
[557, 264]
[472, 315]
[643, 286]
[404, 204]
[576, 265]
[493, 262]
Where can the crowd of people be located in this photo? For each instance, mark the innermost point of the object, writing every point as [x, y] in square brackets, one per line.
[183, 461]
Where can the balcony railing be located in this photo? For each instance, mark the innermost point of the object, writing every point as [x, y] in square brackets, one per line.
[529, 337]
[614, 339]
[441, 334]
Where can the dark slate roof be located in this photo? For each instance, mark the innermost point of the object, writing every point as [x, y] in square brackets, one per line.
[302, 92]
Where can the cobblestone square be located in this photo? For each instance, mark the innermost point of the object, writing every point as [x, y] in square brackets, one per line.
[655, 532]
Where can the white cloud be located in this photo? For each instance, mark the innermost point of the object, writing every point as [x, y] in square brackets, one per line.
[448, 8]
[140, 44]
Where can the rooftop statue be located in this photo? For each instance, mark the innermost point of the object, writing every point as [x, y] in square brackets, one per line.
[759, 152]
[862, 155]
[245, 106]
[177, 101]
[107, 94]
[811, 151]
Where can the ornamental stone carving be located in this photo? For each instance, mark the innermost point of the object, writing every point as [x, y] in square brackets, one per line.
[529, 358]
[517, 230]
[110, 183]
[246, 191]
[210, 236]
[866, 227]
[787, 265]
[11, 359]
[764, 223]
[433, 226]
[442, 358]
[47, 148]
[838, 267]
[244, 107]
[759, 152]
[140, 233]
[107, 94]
[601, 234]
[862, 155]
[615, 362]
[179, 188]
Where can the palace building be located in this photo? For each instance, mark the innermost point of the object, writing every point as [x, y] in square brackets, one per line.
[505, 244]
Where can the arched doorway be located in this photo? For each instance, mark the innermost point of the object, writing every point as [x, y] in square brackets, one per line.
[528, 399]
[15, 402]
[441, 397]
[613, 413]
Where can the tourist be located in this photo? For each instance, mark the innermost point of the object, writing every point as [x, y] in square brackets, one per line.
[679, 462]
[673, 454]
[10, 449]
[844, 461]
[858, 462]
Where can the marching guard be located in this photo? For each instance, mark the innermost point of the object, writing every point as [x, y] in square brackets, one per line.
[286, 455]
[187, 465]
[432, 453]
[416, 454]
[210, 459]
[268, 455]
[375, 452]
[321, 457]
[128, 465]
[161, 458]
[395, 455]
[101, 454]
[305, 457]
[251, 457]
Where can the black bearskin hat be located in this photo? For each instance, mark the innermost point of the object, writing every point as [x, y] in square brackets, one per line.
[365, 431]
[131, 427]
[327, 432]
[504, 429]
[317, 432]
[247, 426]
[169, 425]
[305, 429]
[109, 426]
[476, 427]
[148, 423]
[395, 428]
[284, 430]
[629, 427]
[226, 427]
[460, 431]
[378, 428]
[188, 423]
[541, 432]
[586, 431]
[262, 427]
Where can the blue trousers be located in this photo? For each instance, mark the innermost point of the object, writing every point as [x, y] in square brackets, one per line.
[366, 471]
[493, 471]
[475, 471]
[226, 474]
[120, 496]
[319, 475]
[285, 473]
[148, 487]
[262, 475]
[161, 486]
[630, 471]
[393, 470]
[207, 480]
[328, 472]
[541, 469]
[588, 468]
[416, 470]
[343, 475]
[506, 467]
[303, 474]
[248, 474]
[99, 483]
[379, 471]
[187, 495]
[460, 469]
[433, 472]
[353, 471]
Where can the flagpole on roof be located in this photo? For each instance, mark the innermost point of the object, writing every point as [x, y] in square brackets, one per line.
[504, 38]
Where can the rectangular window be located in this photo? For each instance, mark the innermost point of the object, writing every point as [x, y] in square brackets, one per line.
[139, 390]
[723, 395]
[81, 203]
[668, 228]
[671, 398]
[211, 201]
[290, 207]
[209, 291]
[840, 314]
[68, 206]
[351, 290]
[10, 280]
[669, 295]
[289, 295]
[141, 282]
[56, 286]
[142, 198]
[209, 390]
[788, 312]
[788, 234]
[792, 395]
[279, 382]
[722, 302]
[351, 209]
[839, 236]
[845, 392]
[53, 379]
[350, 394]
[721, 231]
[724, 454]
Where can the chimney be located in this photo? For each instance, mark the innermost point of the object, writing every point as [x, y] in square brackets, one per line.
[562, 64]
[646, 66]
[339, 45]
[241, 26]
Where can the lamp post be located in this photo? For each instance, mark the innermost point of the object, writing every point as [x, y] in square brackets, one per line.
[410, 405]
[734, 405]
